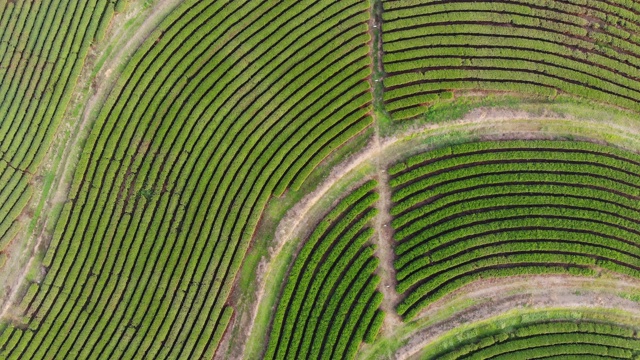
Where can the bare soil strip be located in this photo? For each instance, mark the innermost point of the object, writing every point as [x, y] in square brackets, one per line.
[488, 123]
[383, 237]
[385, 251]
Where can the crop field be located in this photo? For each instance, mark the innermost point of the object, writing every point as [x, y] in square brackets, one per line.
[495, 209]
[42, 49]
[585, 48]
[329, 302]
[555, 335]
[175, 206]
[217, 179]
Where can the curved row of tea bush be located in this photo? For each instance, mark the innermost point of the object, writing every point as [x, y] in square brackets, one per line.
[433, 47]
[329, 303]
[494, 209]
[553, 334]
[43, 45]
[225, 104]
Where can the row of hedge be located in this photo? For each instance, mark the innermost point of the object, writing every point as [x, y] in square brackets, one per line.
[492, 209]
[556, 334]
[225, 105]
[42, 50]
[329, 303]
[524, 46]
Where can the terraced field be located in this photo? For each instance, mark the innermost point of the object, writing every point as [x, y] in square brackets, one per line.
[329, 303]
[198, 179]
[586, 48]
[162, 209]
[42, 49]
[555, 335]
[496, 209]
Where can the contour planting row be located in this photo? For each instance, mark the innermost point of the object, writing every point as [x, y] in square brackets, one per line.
[42, 49]
[225, 104]
[432, 47]
[495, 209]
[556, 334]
[329, 303]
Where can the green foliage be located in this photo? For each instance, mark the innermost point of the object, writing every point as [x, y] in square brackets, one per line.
[224, 105]
[554, 337]
[522, 46]
[493, 209]
[44, 45]
[329, 302]
[374, 327]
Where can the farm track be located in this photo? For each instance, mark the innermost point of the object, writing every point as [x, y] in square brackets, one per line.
[332, 255]
[376, 152]
[371, 152]
[386, 244]
[383, 232]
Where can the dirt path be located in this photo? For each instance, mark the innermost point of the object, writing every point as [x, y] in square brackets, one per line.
[299, 220]
[293, 223]
[127, 42]
[383, 237]
[385, 244]
[494, 297]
